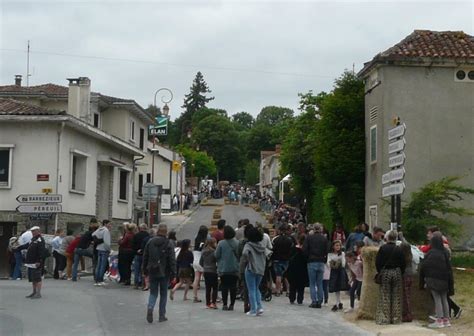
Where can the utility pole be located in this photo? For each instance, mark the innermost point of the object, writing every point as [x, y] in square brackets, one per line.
[28, 65]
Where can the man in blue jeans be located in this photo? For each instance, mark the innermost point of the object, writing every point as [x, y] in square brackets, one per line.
[82, 249]
[101, 237]
[159, 263]
[315, 248]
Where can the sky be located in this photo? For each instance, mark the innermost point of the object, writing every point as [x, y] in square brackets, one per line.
[252, 53]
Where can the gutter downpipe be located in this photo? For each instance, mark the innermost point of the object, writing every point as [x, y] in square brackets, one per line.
[140, 157]
[58, 153]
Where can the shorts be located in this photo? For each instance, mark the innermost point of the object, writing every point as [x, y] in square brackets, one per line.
[196, 266]
[280, 267]
[185, 274]
[34, 274]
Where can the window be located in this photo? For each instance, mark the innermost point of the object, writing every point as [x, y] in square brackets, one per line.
[97, 120]
[373, 144]
[148, 178]
[372, 216]
[140, 184]
[5, 165]
[142, 138]
[123, 186]
[78, 171]
[132, 130]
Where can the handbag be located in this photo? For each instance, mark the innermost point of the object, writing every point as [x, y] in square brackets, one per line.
[378, 276]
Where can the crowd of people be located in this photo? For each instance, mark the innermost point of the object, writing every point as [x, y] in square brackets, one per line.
[246, 263]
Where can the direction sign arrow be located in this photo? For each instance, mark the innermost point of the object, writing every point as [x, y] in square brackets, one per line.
[396, 146]
[40, 198]
[393, 175]
[396, 160]
[39, 208]
[393, 189]
[397, 132]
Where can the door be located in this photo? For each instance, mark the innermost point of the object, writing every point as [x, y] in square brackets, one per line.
[7, 230]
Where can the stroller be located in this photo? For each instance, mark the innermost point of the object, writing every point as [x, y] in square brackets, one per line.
[112, 274]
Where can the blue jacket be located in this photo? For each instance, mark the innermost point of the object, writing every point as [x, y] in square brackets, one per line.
[226, 255]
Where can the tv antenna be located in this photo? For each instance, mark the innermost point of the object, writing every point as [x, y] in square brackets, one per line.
[28, 75]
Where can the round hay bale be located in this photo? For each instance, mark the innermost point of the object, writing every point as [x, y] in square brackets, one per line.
[421, 301]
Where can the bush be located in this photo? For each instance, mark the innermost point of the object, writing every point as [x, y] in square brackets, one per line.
[463, 259]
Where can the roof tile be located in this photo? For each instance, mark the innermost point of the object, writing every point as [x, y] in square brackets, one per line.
[15, 107]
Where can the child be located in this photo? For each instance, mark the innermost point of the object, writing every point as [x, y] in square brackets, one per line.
[185, 265]
[209, 263]
[338, 277]
[326, 276]
[298, 273]
[354, 263]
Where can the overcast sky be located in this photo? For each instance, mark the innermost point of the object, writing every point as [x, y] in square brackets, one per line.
[252, 54]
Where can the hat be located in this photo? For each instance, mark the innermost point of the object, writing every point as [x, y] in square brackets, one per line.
[35, 228]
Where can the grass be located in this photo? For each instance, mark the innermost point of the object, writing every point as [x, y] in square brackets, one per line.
[464, 294]
[463, 259]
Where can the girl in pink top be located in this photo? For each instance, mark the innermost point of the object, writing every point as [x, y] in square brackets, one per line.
[354, 264]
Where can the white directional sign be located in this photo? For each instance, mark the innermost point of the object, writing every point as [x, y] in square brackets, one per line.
[150, 192]
[396, 160]
[396, 146]
[393, 175]
[40, 198]
[39, 208]
[397, 132]
[393, 189]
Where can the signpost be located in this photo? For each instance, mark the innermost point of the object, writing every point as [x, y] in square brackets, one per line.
[40, 198]
[39, 208]
[394, 178]
[150, 192]
[161, 127]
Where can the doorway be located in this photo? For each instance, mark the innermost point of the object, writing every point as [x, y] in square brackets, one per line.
[7, 230]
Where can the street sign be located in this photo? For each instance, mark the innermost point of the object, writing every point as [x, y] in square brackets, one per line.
[176, 166]
[161, 127]
[396, 160]
[393, 189]
[393, 175]
[397, 132]
[396, 146]
[40, 198]
[150, 192]
[41, 216]
[157, 131]
[42, 177]
[39, 208]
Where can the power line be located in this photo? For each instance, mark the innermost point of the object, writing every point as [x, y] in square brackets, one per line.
[166, 63]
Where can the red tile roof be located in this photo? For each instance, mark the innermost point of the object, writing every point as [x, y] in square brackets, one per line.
[15, 107]
[434, 45]
[44, 89]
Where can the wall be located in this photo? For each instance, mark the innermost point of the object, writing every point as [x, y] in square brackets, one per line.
[439, 114]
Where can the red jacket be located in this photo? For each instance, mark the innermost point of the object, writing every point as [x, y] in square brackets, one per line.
[72, 246]
[126, 243]
[425, 248]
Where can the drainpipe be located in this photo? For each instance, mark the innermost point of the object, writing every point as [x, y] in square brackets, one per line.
[58, 153]
[140, 157]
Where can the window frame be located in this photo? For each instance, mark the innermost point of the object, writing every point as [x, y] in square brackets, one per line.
[9, 148]
[127, 186]
[132, 130]
[141, 142]
[373, 138]
[140, 185]
[371, 207]
[84, 156]
[99, 119]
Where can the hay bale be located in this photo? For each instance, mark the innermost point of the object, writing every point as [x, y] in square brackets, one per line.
[226, 202]
[212, 229]
[216, 216]
[421, 302]
[214, 222]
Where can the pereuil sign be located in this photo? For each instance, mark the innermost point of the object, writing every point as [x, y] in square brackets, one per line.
[397, 132]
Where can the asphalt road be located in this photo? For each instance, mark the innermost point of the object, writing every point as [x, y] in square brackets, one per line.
[82, 309]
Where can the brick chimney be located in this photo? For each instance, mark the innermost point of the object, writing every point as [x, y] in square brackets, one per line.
[18, 80]
[79, 98]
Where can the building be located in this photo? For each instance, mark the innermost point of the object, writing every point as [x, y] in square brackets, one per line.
[270, 171]
[90, 148]
[427, 80]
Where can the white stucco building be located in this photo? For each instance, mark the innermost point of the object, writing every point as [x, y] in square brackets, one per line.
[270, 171]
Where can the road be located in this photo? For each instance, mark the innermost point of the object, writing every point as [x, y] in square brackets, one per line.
[82, 309]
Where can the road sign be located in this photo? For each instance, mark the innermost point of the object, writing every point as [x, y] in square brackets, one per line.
[394, 175]
[42, 177]
[397, 146]
[176, 166]
[396, 160]
[39, 208]
[150, 192]
[397, 132]
[161, 127]
[393, 189]
[40, 198]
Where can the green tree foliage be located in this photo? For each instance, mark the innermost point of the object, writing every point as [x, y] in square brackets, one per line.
[206, 112]
[243, 121]
[252, 169]
[273, 115]
[432, 205]
[204, 165]
[216, 135]
[340, 145]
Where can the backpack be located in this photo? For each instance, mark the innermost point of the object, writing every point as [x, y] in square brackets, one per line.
[158, 265]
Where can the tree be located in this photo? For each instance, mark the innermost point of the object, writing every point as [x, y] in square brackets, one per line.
[340, 147]
[204, 165]
[252, 169]
[217, 136]
[433, 205]
[273, 115]
[197, 98]
[243, 120]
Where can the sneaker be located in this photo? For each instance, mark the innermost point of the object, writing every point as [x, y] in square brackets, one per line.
[251, 314]
[458, 313]
[29, 296]
[432, 318]
[149, 315]
[292, 302]
[162, 319]
[348, 310]
[224, 307]
[436, 324]
[96, 284]
[36, 296]
[214, 306]
[260, 312]
[340, 306]
[196, 300]
[209, 306]
[231, 308]
[334, 308]
[325, 304]
[446, 323]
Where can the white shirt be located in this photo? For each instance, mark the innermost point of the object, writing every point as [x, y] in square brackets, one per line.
[25, 238]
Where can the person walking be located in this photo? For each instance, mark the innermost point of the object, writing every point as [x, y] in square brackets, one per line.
[338, 277]
[436, 275]
[315, 248]
[282, 247]
[254, 260]
[184, 261]
[59, 259]
[137, 260]
[354, 265]
[83, 249]
[228, 266]
[102, 236]
[208, 262]
[34, 261]
[390, 264]
[159, 264]
[199, 243]
[298, 272]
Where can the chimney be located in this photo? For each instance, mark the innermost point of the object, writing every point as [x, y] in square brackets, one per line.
[18, 80]
[79, 98]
